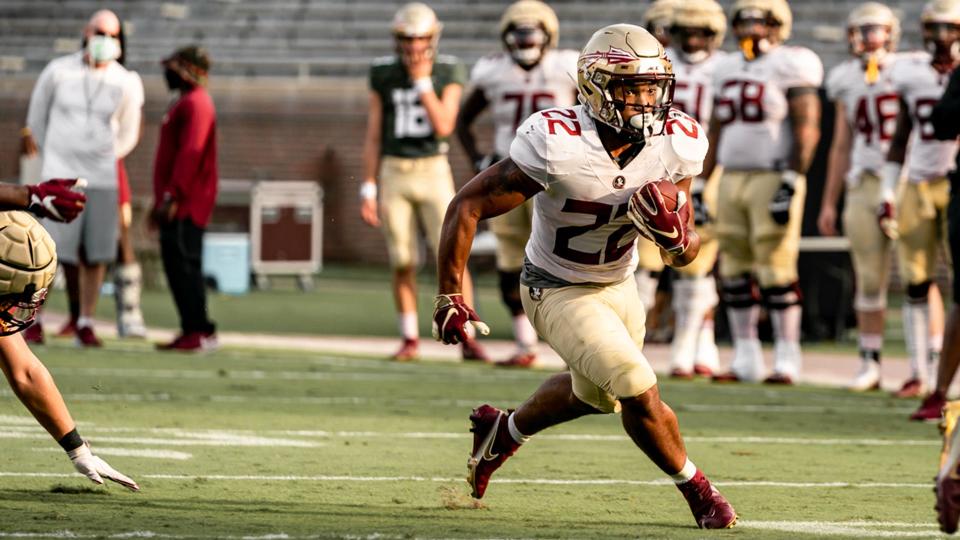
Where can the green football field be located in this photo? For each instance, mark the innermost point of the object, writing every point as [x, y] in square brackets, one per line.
[275, 445]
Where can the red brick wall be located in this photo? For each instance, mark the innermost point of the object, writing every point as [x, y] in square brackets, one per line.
[268, 129]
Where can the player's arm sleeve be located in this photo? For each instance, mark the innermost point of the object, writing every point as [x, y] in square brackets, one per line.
[529, 150]
[802, 68]
[38, 112]
[686, 149]
[946, 114]
[128, 116]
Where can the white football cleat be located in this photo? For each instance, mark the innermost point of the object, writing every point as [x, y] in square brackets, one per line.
[867, 379]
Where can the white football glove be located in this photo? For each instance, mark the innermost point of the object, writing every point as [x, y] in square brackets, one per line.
[97, 469]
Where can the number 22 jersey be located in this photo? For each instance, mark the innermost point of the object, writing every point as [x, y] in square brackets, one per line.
[581, 232]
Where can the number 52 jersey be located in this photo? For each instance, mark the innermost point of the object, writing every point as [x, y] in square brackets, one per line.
[581, 232]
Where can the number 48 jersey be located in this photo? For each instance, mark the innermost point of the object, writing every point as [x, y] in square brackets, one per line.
[515, 93]
[750, 102]
[581, 232]
[871, 110]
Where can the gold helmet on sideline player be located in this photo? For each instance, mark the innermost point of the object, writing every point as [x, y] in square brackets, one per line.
[698, 18]
[528, 28]
[414, 21]
[760, 24]
[941, 31]
[615, 64]
[28, 262]
[658, 18]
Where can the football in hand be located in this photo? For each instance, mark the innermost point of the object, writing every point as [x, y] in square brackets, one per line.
[668, 190]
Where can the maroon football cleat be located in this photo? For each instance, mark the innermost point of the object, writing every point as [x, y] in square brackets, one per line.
[931, 410]
[728, 377]
[702, 371]
[34, 333]
[709, 507]
[492, 445]
[911, 388]
[409, 350]
[948, 500]
[519, 360]
[681, 374]
[69, 329]
[189, 342]
[473, 352]
[87, 338]
[778, 378]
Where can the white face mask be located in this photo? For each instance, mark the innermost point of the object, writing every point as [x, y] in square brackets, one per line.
[103, 48]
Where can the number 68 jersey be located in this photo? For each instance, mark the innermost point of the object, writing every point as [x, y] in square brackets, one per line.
[581, 232]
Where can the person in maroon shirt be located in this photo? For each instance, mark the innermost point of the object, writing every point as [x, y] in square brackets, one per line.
[184, 189]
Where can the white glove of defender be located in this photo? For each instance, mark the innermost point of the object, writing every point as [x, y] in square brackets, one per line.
[97, 469]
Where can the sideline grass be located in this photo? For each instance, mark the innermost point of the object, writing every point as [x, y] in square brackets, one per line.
[332, 446]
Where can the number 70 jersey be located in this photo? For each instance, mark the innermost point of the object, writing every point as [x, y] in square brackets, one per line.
[581, 232]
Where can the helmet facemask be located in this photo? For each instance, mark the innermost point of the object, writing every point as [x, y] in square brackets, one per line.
[756, 32]
[526, 43]
[19, 310]
[694, 43]
[635, 105]
[942, 41]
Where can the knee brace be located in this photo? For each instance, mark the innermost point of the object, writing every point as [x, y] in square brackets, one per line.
[740, 291]
[510, 291]
[779, 298]
[918, 292]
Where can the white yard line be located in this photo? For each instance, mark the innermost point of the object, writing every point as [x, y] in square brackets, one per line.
[528, 481]
[131, 452]
[224, 440]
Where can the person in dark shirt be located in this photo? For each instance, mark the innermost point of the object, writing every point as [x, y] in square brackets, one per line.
[185, 189]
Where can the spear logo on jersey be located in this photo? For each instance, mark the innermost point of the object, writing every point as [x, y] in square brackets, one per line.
[613, 56]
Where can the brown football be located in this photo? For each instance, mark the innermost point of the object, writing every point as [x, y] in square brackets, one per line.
[669, 192]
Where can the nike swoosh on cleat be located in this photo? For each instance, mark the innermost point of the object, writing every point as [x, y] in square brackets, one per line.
[488, 441]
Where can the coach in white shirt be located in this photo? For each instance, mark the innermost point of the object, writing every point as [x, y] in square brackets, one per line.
[84, 115]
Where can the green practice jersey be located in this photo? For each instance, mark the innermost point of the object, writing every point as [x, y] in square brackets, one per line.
[406, 129]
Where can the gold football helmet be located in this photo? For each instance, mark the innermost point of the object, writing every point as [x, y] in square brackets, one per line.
[658, 18]
[528, 28]
[872, 31]
[760, 24]
[28, 262]
[698, 16]
[941, 31]
[626, 81]
[412, 22]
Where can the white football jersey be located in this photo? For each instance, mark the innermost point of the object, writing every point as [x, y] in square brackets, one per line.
[581, 232]
[750, 101]
[515, 93]
[694, 90]
[871, 112]
[920, 87]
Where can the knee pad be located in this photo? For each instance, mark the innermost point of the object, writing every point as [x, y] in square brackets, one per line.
[870, 301]
[740, 291]
[918, 292]
[779, 298]
[510, 291]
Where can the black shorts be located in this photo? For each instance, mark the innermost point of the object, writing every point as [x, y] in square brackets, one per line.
[953, 230]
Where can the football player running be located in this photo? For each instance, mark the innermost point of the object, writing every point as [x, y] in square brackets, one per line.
[413, 104]
[916, 212]
[866, 105]
[529, 76]
[697, 32]
[27, 267]
[593, 170]
[763, 132]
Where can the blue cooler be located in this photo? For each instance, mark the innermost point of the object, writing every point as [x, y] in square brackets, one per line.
[226, 259]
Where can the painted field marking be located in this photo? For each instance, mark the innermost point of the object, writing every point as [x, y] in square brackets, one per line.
[527, 481]
[131, 452]
[210, 440]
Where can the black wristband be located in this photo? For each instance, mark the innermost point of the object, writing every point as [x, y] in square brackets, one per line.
[71, 441]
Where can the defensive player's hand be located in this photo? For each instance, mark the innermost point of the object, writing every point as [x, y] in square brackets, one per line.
[780, 204]
[97, 469]
[827, 220]
[60, 199]
[887, 218]
[369, 213]
[451, 315]
[666, 228]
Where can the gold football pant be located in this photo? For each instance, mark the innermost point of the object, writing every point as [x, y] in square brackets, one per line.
[870, 249]
[412, 188]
